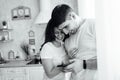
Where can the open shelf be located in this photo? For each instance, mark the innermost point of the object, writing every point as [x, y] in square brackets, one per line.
[4, 41]
[5, 35]
[6, 29]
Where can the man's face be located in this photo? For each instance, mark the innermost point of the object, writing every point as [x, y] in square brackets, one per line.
[69, 26]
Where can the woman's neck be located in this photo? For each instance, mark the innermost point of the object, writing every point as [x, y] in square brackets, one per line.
[57, 43]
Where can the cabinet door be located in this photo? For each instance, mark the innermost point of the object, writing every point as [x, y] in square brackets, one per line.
[36, 73]
[14, 78]
[1, 74]
[1, 77]
[14, 74]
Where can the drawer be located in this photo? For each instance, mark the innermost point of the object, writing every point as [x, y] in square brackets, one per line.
[15, 78]
[15, 71]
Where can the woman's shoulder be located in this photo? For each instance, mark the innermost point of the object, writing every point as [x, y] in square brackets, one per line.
[46, 50]
[48, 44]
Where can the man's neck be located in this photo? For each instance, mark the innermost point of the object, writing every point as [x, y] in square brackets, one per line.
[80, 22]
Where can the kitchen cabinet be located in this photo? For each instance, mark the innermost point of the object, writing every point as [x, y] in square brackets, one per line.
[22, 73]
[1, 71]
[14, 78]
[0, 74]
[13, 74]
[36, 73]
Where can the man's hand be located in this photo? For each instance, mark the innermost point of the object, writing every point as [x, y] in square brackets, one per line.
[92, 63]
[75, 66]
[73, 52]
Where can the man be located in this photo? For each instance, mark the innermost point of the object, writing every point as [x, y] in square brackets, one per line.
[81, 46]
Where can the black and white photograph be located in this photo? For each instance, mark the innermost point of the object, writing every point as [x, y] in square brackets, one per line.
[59, 40]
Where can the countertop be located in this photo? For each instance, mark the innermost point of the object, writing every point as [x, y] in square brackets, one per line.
[18, 63]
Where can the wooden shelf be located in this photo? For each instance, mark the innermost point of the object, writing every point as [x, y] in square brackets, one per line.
[5, 35]
[4, 41]
[6, 29]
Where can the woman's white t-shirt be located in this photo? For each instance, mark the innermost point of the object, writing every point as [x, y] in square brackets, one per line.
[57, 54]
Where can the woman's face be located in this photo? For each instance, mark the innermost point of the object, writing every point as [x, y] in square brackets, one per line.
[58, 34]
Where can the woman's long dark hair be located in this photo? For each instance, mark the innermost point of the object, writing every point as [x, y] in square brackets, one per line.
[58, 16]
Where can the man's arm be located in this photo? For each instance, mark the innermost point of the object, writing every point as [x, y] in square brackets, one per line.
[91, 64]
[77, 65]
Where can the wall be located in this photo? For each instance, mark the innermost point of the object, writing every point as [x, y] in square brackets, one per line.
[21, 27]
[108, 39]
[86, 8]
[71, 3]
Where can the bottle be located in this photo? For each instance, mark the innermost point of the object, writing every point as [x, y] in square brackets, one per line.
[31, 49]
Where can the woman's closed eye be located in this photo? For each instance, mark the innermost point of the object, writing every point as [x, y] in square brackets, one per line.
[57, 32]
[66, 27]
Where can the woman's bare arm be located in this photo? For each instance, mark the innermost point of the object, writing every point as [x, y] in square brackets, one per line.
[50, 69]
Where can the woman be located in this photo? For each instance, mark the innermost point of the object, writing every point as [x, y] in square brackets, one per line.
[53, 54]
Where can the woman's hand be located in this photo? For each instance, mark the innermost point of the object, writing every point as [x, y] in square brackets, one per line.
[76, 65]
[50, 69]
[65, 60]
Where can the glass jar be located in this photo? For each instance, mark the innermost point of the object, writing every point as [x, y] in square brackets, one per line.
[11, 55]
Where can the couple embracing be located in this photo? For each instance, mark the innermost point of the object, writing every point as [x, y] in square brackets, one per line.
[69, 47]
